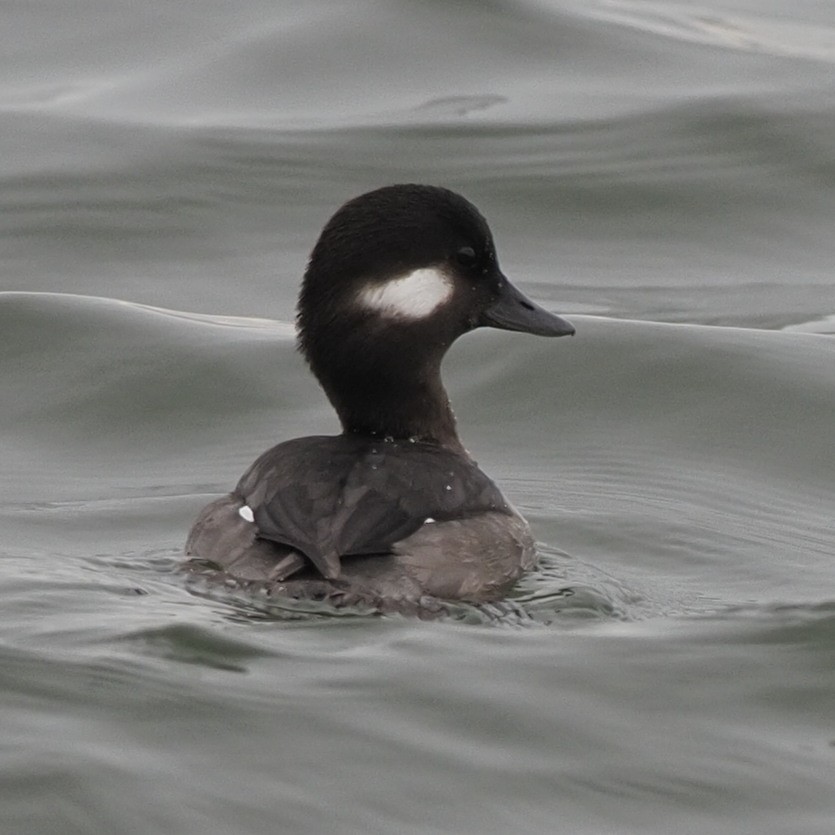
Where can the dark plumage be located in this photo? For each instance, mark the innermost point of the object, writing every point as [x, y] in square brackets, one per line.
[393, 509]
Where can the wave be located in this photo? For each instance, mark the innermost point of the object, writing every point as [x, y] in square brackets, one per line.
[640, 449]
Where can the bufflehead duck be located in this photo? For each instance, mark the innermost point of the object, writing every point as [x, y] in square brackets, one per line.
[394, 511]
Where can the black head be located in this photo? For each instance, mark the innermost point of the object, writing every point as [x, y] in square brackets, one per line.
[396, 276]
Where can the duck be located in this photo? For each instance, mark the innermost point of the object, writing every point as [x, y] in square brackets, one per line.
[393, 513]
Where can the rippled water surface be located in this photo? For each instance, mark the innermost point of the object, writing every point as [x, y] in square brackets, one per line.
[662, 172]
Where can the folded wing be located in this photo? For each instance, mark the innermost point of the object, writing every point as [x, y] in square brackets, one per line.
[335, 497]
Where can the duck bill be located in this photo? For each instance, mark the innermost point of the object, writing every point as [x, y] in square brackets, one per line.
[514, 311]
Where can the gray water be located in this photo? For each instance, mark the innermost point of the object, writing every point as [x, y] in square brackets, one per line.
[664, 174]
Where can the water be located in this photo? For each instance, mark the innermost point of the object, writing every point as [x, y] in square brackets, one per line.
[663, 173]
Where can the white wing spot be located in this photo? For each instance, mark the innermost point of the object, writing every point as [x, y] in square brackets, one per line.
[245, 512]
[411, 296]
[428, 520]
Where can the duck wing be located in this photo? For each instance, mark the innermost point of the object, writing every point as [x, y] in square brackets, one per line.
[331, 497]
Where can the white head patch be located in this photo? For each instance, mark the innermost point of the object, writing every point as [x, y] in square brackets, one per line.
[411, 296]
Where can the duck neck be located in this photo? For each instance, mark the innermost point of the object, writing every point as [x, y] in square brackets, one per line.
[412, 406]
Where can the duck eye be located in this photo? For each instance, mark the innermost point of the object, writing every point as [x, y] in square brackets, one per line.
[466, 256]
